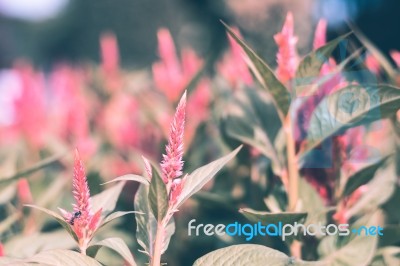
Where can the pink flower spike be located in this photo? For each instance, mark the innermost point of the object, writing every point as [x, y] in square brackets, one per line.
[81, 189]
[286, 57]
[109, 52]
[396, 57]
[172, 163]
[320, 34]
[1, 250]
[24, 192]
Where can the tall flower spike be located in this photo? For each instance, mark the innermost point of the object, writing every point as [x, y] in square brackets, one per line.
[81, 189]
[172, 163]
[286, 57]
[320, 34]
[82, 220]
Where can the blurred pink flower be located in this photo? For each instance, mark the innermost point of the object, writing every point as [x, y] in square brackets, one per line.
[171, 76]
[120, 121]
[172, 162]
[30, 107]
[82, 220]
[70, 109]
[233, 67]
[341, 215]
[320, 34]
[1, 250]
[110, 60]
[372, 64]
[396, 57]
[24, 192]
[286, 57]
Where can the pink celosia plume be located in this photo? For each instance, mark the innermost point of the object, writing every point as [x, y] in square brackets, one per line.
[320, 34]
[110, 60]
[172, 162]
[233, 67]
[372, 64]
[396, 57]
[24, 191]
[83, 221]
[286, 57]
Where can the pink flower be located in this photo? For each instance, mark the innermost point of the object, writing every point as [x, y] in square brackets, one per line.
[172, 162]
[110, 60]
[24, 192]
[233, 67]
[171, 76]
[286, 57]
[320, 34]
[396, 57]
[372, 64]
[30, 107]
[1, 250]
[82, 220]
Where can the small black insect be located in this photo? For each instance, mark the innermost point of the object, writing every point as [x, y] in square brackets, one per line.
[76, 215]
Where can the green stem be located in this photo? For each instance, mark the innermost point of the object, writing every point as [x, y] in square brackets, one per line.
[156, 259]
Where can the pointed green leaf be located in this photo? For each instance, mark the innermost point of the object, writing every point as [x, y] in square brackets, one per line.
[107, 199]
[62, 257]
[349, 107]
[115, 215]
[130, 177]
[309, 68]
[269, 81]
[158, 196]
[196, 180]
[273, 218]
[361, 177]
[116, 244]
[58, 218]
[146, 223]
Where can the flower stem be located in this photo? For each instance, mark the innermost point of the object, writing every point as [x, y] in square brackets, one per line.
[156, 259]
[293, 192]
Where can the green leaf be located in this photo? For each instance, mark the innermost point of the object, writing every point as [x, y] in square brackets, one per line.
[62, 257]
[311, 203]
[387, 256]
[349, 107]
[58, 218]
[116, 244]
[361, 177]
[107, 199]
[115, 215]
[358, 250]
[158, 196]
[384, 62]
[130, 177]
[30, 170]
[196, 180]
[273, 218]
[146, 223]
[249, 254]
[267, 77]
[309, 68]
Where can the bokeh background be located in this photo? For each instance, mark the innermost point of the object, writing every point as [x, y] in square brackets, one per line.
[47, 33]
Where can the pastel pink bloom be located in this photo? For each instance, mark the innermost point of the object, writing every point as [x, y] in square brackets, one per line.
[286, 57]
[70, 109]
[82, 220]
[170, 75]
[24, 191]
[1, 250]
[233, 67]
[120, 120]
[176, 189]
[372, 64]
[30, 106]
[110, 60]
[109, 52]
[172, 162]
[320, 34]
[396, 57]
